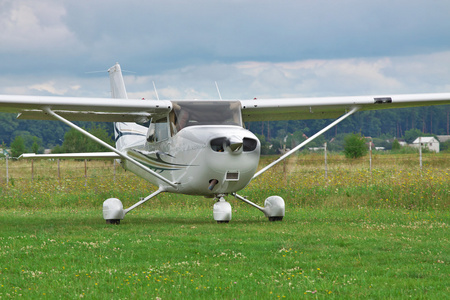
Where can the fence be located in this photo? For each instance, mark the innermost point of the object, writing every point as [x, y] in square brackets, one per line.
[57, 169]
[31, 170]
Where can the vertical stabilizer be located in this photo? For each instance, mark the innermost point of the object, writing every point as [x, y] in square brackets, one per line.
[126, 134]
[118, 90]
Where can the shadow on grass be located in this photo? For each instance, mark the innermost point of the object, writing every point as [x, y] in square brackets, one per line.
[192, 221]
[52, 220]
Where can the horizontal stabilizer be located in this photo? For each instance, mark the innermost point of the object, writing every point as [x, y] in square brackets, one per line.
[87, 155]
[140, 117]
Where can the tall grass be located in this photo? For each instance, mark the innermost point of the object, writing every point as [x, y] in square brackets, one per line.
[394, 181]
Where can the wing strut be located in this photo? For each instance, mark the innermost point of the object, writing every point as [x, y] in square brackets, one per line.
[96, 139]
[354, 109]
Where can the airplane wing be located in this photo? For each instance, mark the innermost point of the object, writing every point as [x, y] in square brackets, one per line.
[130, 110]
[84, 109]
[331, 107]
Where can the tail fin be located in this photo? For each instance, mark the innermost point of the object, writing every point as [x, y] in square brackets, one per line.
[117, 84]
[126, 134]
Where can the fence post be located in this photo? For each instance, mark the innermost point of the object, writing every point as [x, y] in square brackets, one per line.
[420, 152]
[370, 156]
[284, 165]
[326, 164]
[59, 172]
[85, 172]
[114, 163]
[7, 171]
[32, 169]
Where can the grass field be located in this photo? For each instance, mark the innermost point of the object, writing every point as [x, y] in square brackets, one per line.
[356, 233]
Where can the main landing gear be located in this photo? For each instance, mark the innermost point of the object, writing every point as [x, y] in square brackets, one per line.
[113, 210]
[274, 208]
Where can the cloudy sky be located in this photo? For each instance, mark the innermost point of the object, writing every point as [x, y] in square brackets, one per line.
[251, 48]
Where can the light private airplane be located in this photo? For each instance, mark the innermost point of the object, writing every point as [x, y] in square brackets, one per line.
[194, 147]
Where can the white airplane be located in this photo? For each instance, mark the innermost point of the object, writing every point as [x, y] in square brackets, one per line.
[194, 147]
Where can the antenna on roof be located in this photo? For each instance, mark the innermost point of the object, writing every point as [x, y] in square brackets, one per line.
[156, 92]
[218, 91]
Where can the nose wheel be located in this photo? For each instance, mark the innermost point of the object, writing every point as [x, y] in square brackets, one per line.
[222, 210]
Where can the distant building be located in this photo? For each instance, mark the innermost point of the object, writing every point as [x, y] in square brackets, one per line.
[427, 142]
[443, 138]
[316, 148]
[400, 141]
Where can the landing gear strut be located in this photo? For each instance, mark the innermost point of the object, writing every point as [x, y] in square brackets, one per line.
[274, 207]
[113, 210]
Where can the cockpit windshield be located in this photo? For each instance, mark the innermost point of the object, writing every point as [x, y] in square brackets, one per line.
[192, 113]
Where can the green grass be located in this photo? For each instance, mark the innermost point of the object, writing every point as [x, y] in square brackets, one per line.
[176, 253]
[357, 234]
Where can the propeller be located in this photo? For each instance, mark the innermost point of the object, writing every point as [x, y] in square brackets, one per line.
[234, 143]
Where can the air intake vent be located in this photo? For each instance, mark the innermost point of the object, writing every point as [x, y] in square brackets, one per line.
[249, 144]
[232, 176]
[217, 144]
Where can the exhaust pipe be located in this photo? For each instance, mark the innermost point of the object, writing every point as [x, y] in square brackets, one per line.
[212, 184]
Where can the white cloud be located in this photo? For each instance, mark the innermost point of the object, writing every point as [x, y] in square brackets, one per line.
[51, 88]
[29, 26]
[248, 79]
[156, 36]
[411, 74]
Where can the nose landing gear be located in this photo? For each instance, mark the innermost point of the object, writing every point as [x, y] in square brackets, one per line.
[222, 210]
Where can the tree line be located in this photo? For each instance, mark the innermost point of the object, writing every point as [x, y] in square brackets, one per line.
[392, 122]
[73, 142]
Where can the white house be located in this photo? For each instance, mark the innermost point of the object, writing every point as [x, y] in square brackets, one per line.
[427, 141]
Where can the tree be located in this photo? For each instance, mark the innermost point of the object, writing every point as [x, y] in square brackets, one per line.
[100, 132]
[396, 145]
[445, 146]
[76, 142]
[412, 134]
[266, 147]
[35, 147]
[296, 138]
[355, 146]
[17, 146]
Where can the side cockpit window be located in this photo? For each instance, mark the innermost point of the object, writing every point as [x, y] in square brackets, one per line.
[158, 130]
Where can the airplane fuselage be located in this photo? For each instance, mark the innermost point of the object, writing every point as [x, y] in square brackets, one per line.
[200, 160]
[200, 147]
